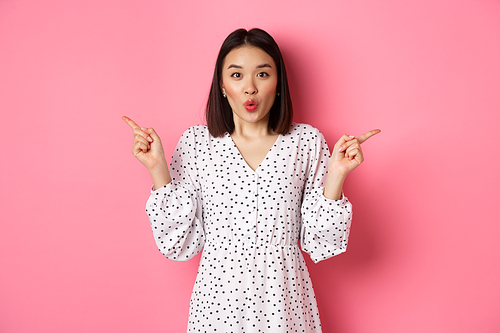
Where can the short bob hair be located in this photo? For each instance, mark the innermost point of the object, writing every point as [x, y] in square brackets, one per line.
[219, 115]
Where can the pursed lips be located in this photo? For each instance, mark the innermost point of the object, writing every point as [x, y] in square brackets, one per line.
[250, 105]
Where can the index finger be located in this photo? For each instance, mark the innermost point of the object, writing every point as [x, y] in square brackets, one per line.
[130, 122]
[367, 135]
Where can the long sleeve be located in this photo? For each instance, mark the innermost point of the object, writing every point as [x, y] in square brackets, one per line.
[325, 223]
[175, 210]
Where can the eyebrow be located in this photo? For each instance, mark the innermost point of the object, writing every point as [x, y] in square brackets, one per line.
[259, 66]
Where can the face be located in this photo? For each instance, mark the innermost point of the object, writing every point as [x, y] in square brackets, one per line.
[249, 80]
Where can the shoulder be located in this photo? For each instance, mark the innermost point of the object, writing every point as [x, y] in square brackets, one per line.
[196, 130]
[196, 133]
[305, 131]
[194, 138]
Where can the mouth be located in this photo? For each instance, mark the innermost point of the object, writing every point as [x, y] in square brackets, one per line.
[251, 105]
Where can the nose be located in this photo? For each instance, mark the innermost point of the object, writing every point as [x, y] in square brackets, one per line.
[251, 89]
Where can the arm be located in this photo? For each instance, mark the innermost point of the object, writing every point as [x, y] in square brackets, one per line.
[174, 208]
[325, 222]
[326, 214]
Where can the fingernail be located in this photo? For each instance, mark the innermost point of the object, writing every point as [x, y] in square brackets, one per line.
[150, 139]
[351, 136]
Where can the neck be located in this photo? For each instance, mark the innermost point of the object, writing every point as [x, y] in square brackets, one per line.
[251, 130]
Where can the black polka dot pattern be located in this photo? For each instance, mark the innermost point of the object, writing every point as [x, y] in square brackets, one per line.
[252, 275]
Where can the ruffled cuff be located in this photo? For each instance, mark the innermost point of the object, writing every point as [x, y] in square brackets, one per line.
[315, 205]
[325, 225]
[166, 187]
[174, 214]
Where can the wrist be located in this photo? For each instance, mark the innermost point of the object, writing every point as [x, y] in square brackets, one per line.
[161, 166]
[160, 175]
[336, 175]
[333, 186]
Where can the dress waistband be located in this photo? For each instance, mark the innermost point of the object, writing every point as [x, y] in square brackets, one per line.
[247, 244]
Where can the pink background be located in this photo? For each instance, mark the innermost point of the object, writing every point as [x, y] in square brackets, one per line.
[76, 250]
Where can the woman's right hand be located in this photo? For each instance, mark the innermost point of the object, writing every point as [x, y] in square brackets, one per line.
[147, 146]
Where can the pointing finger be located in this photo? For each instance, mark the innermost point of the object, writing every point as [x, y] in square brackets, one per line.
[130, 122]
[367, 135]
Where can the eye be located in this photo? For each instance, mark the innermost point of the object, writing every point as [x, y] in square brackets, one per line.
[236, 75]
[263, 74]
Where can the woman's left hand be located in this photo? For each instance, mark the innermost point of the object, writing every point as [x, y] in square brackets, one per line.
[347, 153]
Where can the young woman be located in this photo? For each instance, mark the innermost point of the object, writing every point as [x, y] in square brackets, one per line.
[245, 189]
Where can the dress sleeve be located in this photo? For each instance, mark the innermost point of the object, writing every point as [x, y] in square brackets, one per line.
[325, 223]
[175, 210]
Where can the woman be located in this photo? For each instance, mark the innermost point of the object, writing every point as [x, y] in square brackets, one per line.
[245, 189]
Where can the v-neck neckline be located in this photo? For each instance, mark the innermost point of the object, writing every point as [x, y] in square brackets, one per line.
[243, 159]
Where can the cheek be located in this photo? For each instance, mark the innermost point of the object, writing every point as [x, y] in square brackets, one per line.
[270, 88]
[231, 87]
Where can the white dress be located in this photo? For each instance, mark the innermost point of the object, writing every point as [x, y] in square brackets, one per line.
[252, 276]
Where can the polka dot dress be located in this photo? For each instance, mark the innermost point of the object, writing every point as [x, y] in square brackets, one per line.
[252, 275]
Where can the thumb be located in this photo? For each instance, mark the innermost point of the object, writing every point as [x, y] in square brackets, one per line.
[338, 149]
[152, 133]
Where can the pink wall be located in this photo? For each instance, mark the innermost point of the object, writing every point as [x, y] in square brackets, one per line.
[77, 253]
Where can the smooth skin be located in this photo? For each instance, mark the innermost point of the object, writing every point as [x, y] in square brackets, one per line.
[250, 73]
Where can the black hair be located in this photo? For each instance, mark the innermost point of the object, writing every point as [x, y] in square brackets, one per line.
[219, 115]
